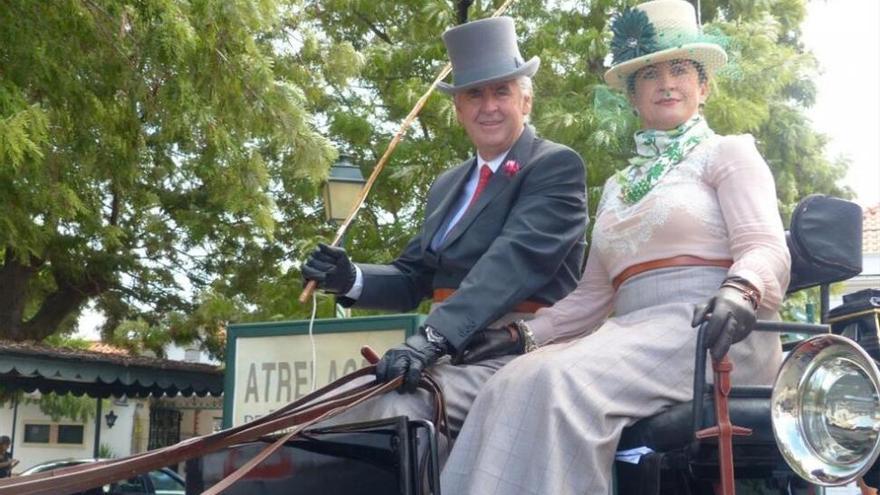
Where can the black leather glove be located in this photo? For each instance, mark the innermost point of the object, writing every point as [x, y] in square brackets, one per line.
[330, 267]
[410, 360]
[730, 315]
[494, 342]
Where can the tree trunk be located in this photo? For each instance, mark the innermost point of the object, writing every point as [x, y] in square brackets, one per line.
[15, 280]
[56, 307]
[14, 277]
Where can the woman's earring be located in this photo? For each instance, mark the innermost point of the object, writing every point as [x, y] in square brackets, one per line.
[635, 112]
[701, 106]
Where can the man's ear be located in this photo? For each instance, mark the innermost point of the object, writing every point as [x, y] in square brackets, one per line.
[527, 104]
[455, 98]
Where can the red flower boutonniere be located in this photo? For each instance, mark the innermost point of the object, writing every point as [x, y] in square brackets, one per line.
[511, 167]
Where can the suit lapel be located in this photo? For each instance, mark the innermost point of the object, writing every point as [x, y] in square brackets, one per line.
[434, 219]
[521, 153]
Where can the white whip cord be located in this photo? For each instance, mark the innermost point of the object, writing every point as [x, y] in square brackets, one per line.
[312, 341]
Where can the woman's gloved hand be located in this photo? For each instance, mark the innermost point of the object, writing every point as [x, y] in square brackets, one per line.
[513, 338]
[729, 315]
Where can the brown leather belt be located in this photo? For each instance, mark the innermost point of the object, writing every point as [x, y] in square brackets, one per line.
[684, 260]
[441, 295]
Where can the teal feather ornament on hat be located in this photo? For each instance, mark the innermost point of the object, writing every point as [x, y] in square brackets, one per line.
[634, 36]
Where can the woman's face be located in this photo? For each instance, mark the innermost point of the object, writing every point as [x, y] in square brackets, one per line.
[667, 94]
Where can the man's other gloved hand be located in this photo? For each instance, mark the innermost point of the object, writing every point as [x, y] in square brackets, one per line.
[730, 316]
[492, 343]
[330, 267]
[409, 360]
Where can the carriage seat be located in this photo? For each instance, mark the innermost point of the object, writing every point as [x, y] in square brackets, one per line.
[673, 429]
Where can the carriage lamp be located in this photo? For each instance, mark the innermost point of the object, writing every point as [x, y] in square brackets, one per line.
[342, 190]
[110, 417]
[825, 410]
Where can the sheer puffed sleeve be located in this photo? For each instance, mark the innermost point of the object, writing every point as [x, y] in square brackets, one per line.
[581, 311]
[747, 196]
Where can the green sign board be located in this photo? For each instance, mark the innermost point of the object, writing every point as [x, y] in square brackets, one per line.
[270, 364]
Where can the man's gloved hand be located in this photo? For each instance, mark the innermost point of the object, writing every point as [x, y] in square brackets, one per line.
[730, 315]
[496, 342]
[330, 267]
[410, 360]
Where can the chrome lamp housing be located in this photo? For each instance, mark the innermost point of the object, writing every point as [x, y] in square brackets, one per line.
[825, 410]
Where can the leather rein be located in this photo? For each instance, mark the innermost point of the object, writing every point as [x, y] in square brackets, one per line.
[293, 418]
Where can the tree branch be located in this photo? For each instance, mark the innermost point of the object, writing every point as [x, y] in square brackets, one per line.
[378, 32]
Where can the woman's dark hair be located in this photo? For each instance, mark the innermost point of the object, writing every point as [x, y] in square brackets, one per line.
[701, 73]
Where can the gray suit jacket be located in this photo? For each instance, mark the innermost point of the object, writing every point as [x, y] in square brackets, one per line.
[522, 239]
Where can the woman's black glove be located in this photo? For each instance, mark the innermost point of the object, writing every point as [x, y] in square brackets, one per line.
[409, 360]
[513, 338]
[729, 315]
[330, 267]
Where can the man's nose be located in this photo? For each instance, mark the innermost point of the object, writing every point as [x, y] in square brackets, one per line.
[490, 103]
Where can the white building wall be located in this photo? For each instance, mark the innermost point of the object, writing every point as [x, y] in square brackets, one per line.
[119, 439]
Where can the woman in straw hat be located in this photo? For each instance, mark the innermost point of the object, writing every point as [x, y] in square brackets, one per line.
[688, 232]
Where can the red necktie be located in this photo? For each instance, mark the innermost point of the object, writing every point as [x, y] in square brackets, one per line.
[485, 175]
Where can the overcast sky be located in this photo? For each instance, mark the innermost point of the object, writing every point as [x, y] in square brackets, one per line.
[844, 36]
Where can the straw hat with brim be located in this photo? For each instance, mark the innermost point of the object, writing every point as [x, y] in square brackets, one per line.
[655, 32]
[484, 52]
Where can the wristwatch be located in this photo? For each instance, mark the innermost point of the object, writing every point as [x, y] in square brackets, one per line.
[436, 338]
[529, 343]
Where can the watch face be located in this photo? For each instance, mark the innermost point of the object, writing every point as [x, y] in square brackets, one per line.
[433, 337]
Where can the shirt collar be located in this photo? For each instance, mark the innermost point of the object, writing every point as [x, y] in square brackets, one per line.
[494, 163]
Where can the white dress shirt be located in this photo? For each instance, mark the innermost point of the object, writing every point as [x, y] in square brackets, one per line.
[461, 204]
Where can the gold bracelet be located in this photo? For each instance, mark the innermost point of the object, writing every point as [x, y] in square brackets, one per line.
[749, 292]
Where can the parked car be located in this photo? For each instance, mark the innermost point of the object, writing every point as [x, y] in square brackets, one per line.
[159, 482]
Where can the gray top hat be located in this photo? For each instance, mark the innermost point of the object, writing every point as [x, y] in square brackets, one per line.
[483, 52]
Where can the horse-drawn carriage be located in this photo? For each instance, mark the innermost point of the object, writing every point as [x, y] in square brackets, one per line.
[817, 426]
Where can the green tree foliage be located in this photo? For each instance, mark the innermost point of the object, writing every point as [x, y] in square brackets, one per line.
[56, 406]
[147, 149]
[164, 158]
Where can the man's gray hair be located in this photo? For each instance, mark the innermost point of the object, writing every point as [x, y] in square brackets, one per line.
[525, 84]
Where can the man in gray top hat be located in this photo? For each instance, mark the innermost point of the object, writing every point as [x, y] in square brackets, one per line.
[503, 234]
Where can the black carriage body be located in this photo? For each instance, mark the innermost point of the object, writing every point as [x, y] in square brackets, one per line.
[370, 458]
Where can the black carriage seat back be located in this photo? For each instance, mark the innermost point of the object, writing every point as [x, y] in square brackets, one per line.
[825, 242]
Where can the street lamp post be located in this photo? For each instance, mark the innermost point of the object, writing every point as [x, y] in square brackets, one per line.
[341, 192]
[342, 189]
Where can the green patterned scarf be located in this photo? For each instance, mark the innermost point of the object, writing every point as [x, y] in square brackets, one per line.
[658, 152]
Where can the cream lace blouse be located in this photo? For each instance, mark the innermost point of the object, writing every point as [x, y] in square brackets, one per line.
[719, 203]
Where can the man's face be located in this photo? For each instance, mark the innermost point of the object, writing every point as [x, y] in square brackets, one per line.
[493, 115]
